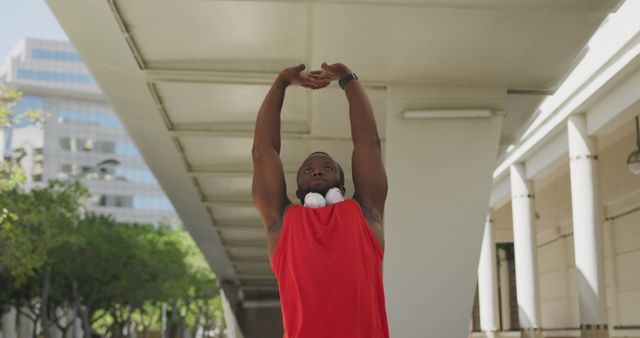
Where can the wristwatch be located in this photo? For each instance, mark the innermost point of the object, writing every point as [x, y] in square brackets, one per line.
[343, 82]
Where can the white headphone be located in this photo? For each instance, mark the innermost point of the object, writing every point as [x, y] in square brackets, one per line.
[315, 200]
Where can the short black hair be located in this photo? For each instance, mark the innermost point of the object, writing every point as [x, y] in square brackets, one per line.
[340, 171]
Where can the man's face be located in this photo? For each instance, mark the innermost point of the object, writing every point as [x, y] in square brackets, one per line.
[318, 173]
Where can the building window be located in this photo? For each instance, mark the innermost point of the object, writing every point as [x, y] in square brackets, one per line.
[38, 168]
[47, 54]
[37, 171]
[43, 75]
[118, 201]
[126, 148]
[123, 201]
[153, 203]
[66, 169]
[136, 175]
[85, 144]
[106, 147]
[26, 103]
[64, 143]
[104, 120]
[87, 169]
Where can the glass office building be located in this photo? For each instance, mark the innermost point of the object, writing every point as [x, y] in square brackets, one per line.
[82, 137]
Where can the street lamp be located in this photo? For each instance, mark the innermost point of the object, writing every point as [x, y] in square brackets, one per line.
[108, 162]
[633, 162]
[105, 169]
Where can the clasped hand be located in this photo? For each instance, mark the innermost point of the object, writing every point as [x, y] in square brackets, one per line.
[315, 79]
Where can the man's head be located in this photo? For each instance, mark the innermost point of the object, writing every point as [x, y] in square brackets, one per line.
[319, 173]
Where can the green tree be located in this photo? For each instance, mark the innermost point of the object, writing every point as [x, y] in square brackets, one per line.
[166, 259]
[57, 256]
[16, 265]
[160, 273]
[85, 268]
[199, 305]
[165, 268]
[42, 221]
[155, 272]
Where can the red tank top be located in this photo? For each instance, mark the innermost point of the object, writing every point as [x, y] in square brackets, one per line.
[328, 265]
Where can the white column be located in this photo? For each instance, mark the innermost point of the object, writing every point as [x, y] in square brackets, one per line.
[487, 283]
[440, 190]
[76, 330]
[163, 321]
[233, 329]
[27, 166]
[524, 241]
[133, 333]
[9, 323]
[611, 271]
[53, 329]
[25, 324]
[587, 229]
[505, 294]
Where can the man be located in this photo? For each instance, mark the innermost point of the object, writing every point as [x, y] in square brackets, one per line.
[328, 259]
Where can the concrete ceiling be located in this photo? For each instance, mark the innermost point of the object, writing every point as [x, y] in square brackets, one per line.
[187, 77]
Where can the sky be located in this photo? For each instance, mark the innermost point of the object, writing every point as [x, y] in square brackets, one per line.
[26, 18]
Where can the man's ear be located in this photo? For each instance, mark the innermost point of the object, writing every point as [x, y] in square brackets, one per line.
[297, 194]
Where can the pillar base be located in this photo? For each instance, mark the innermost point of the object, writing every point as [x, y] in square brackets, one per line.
[594, 331]
[490, 334]
[531, 332]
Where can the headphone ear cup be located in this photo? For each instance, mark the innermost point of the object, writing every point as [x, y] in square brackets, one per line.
[334, 195]
[314, 200]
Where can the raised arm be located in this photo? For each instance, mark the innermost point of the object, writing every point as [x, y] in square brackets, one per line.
[269, 188]
[369, 176]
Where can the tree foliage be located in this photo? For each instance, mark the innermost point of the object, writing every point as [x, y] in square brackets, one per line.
[117, 275]
[11, 174]
[56, 256]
